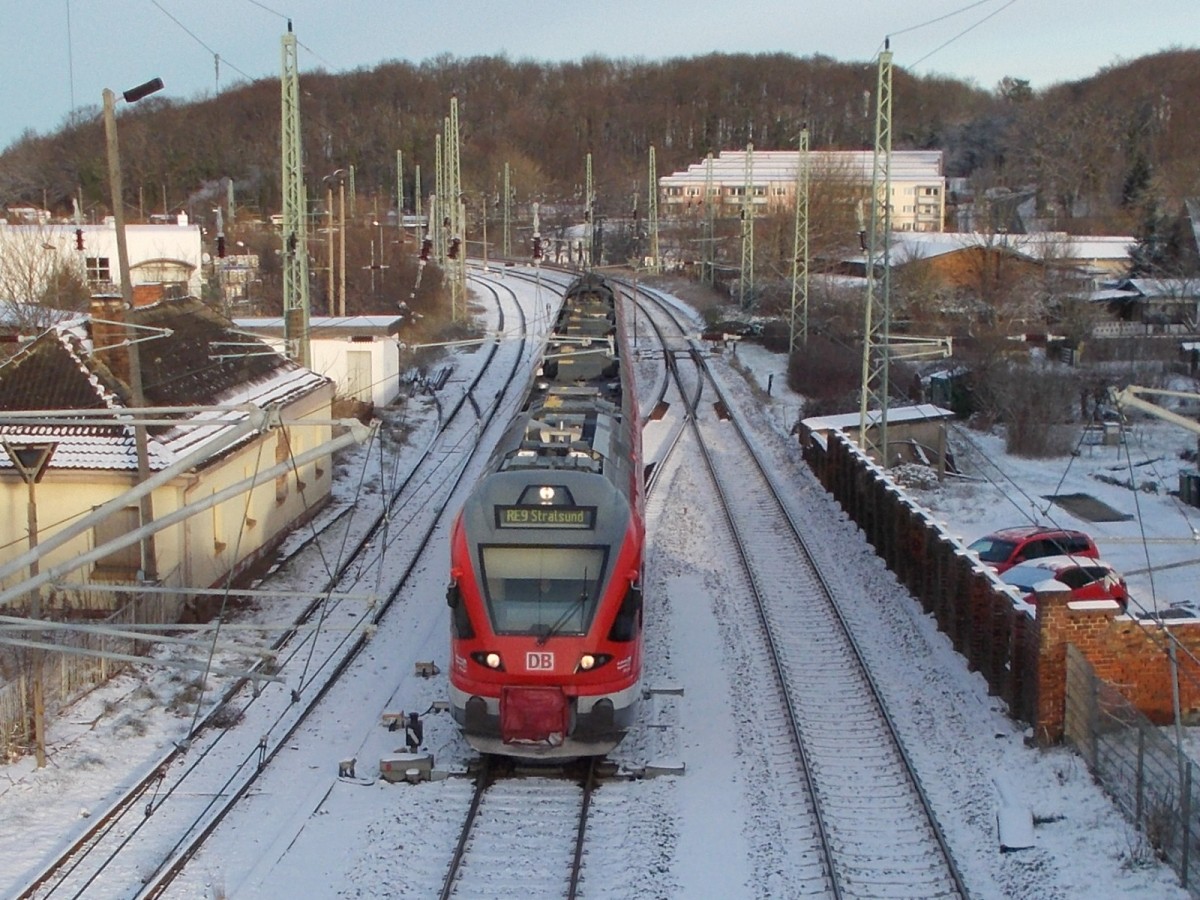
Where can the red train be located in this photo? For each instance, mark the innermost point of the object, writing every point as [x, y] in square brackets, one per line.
[546, 554]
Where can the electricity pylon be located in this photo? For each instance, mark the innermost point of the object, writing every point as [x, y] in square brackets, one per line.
[799, 309]
[872, 431]
[295, 217]
[746, 279]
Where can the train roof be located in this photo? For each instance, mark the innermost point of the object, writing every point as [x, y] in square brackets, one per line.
[575, 415]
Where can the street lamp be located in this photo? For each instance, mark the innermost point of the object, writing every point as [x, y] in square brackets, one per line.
[31, 460]
[149, 566]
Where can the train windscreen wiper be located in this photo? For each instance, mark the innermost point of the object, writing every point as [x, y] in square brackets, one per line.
[561, 621]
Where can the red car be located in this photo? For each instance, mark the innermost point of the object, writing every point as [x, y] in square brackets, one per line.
[1085, 577]
[1003, 549]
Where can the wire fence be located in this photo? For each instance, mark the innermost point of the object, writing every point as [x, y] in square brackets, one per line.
[71, 672]
[1148, 776]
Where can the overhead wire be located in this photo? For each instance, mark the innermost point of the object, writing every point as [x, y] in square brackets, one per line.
[220, 617]
[942, 18]
[324, 606]
[197, 39]
[965, 31]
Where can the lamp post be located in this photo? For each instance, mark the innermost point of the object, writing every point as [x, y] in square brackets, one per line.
[149, 566]
[31, 461]
[338, 176]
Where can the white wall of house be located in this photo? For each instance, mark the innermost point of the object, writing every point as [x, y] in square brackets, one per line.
[203, 549]
[157, 253]
[354, 351]
[363, 370]
[918, 187]
[230, 535]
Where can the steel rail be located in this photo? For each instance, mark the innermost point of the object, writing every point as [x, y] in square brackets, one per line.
[122, 805]
[845, 630]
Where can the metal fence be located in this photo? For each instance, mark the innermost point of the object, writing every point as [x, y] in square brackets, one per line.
[1146, 774]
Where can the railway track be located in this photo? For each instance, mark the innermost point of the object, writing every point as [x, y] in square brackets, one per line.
[143, 839]
[851, 809]
[526, 817]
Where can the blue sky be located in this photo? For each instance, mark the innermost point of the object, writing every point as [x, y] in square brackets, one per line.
[48, 67]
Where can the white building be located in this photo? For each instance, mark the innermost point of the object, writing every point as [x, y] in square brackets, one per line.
[918, 187]
[84, 364]
[170, 255]
[360, 354]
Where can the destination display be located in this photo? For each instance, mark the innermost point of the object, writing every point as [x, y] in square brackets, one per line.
[546, 517]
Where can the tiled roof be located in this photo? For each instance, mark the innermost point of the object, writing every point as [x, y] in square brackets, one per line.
[192, 361]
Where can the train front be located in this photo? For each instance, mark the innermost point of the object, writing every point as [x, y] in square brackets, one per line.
[546, 615]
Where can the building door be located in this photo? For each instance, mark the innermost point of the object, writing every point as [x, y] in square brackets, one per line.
[358, 375]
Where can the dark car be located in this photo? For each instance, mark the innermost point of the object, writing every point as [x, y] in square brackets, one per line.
[1003, 549]
[1085, 577]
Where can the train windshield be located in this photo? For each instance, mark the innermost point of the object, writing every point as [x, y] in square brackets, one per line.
[542, 591]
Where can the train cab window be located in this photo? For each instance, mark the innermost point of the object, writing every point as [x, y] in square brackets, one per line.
[628, 622]
[542, 590]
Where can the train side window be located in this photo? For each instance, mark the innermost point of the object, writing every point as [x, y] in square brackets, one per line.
[460, 622]
[629, 617]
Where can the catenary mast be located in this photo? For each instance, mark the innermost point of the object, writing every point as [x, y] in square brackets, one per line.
[295, 217]
[877, 323]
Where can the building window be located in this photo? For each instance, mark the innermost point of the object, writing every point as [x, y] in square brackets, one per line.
[98, 271]
[123, 564]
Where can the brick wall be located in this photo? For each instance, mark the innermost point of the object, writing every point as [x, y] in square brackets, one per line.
[1022, 657]
[1132, 656]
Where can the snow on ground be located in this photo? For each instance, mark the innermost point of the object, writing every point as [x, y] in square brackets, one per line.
[699, 836]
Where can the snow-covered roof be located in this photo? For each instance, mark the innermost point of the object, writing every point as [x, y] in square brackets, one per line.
[1042, 245]
[914, 413]
[781, 166]
[1165, 287]
[1108, 295]
[326, 325]
[185, 360]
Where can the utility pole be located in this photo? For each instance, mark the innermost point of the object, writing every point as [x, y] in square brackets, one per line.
[417, 193]
[877, 324]
[587, 212]
[399, 189]
[746, 278]
[708, 276]
[800, 249]
[652, 214]
[141, 443]
[454, 196]
[506, 243]
[329, 231]
[437, 219]
[295, 216]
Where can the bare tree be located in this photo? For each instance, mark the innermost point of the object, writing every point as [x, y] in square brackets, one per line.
[36, 282]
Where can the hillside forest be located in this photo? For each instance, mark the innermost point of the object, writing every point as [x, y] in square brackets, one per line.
[1115, 153]
[1103, 154]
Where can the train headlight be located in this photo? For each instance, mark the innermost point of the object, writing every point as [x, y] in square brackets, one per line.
[546, 493]
[489, 658]
[589, 661]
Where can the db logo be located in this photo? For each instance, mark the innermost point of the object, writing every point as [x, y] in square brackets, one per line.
[536, 661]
